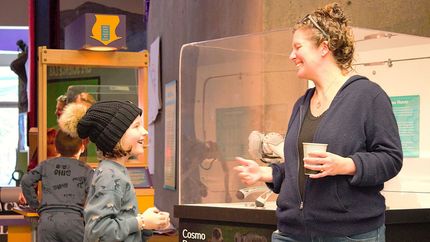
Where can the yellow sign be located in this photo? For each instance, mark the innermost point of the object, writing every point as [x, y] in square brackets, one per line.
[104, 29]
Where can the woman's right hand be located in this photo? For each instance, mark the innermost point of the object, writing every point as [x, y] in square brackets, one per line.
[250, 172]
[155, 219]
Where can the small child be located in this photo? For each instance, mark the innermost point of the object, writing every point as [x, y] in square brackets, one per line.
[116, 127]
[65, 184]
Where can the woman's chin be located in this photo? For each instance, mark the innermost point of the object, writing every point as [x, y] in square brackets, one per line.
[301, 75]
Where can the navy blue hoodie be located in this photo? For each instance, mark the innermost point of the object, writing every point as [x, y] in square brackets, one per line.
[359, 124]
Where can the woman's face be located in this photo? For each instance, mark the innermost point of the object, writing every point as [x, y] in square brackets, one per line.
[305, 54]
[134, 137]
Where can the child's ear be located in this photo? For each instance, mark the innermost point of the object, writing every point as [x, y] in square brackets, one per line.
[83, 145]
[85, 141]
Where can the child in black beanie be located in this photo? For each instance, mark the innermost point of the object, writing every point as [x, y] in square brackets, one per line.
[116, 127]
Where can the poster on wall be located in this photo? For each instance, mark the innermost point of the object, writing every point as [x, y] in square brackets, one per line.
[170, 136]
[154, 98]
[407, 112]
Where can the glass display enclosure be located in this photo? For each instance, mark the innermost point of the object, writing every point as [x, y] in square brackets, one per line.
[86, 77]
[236, 91]
[229, 88]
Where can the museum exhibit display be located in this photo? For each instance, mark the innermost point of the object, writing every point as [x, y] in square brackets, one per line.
[235, 98]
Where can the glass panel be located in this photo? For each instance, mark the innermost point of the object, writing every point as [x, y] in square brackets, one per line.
[399, 63]
[87, 84]
[9, 144]
[8, 124]
[233, 86]
[229, 88]
[8, 85]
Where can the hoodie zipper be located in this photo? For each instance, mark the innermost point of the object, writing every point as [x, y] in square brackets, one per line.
[298, 161]
[301, 199]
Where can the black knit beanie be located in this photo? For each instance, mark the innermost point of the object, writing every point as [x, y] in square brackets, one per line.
[105, 123]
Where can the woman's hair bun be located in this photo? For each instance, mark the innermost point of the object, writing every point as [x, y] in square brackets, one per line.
[335, 12]
[68, 121]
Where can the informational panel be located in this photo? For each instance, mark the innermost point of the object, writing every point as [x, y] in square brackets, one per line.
[140, 177]
[407, 112]
[200, 230]
[170, 136]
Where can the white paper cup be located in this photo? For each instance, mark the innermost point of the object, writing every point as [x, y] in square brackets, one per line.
[309, 148]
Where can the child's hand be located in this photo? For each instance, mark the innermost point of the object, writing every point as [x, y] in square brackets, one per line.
[167, 224]
[153, 218]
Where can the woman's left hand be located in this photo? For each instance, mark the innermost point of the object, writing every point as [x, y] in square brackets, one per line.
[21, 199]
[329, 164]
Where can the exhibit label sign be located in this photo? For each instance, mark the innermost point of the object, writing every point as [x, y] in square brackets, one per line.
[407, 112]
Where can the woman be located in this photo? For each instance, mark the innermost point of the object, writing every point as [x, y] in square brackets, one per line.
[354, 117]
[116, 127]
